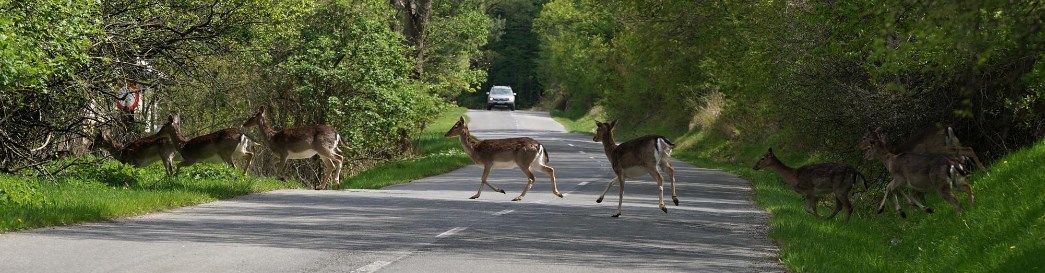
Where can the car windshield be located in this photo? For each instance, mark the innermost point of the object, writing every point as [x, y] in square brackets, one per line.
[501, 91]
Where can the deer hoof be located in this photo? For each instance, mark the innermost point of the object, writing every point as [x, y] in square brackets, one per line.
[929, 210]
[517, 199]
[501, 191]
[474, 196]
[676, 200]
[558, 194]
[880, 210]
[616, 215]
[664, 208]
[599, 200]
[903, 215]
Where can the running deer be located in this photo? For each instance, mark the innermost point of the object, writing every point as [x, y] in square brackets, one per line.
[225, 144]
[934, 140]
[144, 151]
[641, 156]
[508, 153]
[917, 171]
[813, 179]
[302, 143]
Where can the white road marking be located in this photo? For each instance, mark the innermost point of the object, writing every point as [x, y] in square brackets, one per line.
[571, 145]
[582, 183]
[592, 157]
[374, 266]
[503, 212]
[452, 231]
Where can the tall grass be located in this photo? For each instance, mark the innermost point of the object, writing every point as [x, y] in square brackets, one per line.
[92, 192]
[1003, 232]
[438, 155]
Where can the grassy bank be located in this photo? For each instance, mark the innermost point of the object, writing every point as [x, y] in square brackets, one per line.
[91, 193]
[1003, 232]
[438, 155]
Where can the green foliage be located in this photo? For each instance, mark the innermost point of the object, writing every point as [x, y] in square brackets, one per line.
[42, 41]
[438, 155]
[457, 31]
[15, 193]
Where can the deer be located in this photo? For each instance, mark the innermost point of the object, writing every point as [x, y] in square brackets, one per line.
[645, 155]
[507, 153]
[813, 179]
[301, 143]
[917, 171]
[144, 151]
[225, 144]
[938, 140]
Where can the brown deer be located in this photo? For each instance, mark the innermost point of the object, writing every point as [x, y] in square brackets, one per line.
[813, 179]
[226, 144]
[508, 153]
[302, 143]
[917, 171]
[634, 158]
[935, 140]
[144, 151]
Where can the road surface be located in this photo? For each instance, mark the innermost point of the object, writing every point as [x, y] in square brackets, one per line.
[430, 225]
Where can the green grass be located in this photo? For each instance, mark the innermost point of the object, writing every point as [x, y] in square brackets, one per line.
[1003, 232]
[438, 155]
[91, 193]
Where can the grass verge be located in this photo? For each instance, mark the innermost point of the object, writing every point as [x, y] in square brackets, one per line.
[438, 155]
[91, 193]
[1003, 232]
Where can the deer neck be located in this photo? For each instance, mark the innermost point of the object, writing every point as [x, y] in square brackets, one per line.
[609, 145]
[466, 143]
[789, 174]
[179, 139]
[266, 131]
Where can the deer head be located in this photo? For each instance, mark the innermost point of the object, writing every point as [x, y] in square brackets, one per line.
[460, 128]
[872, 143]
[604, 130]
[257, 118]
[767, 159]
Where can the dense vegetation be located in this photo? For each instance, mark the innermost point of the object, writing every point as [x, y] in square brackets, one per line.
[728, 79]
[816, 73]
[377, 71]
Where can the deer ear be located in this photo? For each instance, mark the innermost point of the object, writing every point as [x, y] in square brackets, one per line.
[878, 130]
[770, 150]
[613, 123]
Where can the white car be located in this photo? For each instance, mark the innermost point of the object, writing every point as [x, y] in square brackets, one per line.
[500, 96]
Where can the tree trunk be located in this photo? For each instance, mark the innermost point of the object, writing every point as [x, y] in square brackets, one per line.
[413, 17]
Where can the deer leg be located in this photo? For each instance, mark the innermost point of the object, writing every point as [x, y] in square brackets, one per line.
[327, 172]
[660, 186]
[620, 199]
[899, 209]
[671, 174]
[168, 164]
[888, 191]
[608, 186]
[811, 205]
[967, 189]
[918, 200]
[486, 172]
[529, 183]
[949, 196]
[228, 160]
[838, 207]
[250, 159]
[848, 207]
[551, 173]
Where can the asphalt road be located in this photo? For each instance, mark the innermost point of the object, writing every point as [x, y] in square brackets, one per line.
[430, 225]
